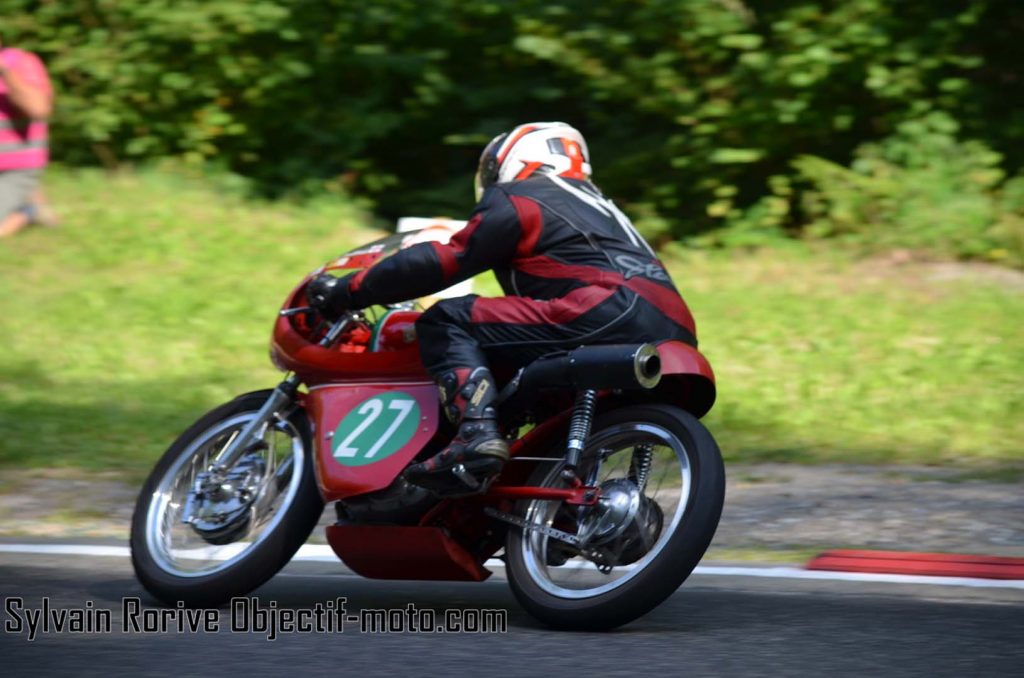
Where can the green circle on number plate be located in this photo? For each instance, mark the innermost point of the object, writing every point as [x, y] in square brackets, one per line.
[377, 428]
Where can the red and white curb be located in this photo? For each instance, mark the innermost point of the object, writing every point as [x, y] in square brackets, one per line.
[821, 568]
[914, 563]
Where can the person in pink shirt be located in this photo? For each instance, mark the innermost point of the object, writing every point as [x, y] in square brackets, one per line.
[26, 101]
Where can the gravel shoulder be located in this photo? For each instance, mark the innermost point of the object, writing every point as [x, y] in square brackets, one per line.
[774, 506]
[773, 511]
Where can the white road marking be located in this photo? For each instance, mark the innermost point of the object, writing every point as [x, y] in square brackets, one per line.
[318, 553]
[797, 573]
[321, 553]
[66, 549]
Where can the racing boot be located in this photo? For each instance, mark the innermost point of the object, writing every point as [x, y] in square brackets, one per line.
[478, 452]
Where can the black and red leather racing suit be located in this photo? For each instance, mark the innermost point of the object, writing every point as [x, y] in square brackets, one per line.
[575, 271]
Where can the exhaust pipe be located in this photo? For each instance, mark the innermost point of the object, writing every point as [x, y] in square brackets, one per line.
[625, 366]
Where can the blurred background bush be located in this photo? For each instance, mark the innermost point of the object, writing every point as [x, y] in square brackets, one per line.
[881, 123]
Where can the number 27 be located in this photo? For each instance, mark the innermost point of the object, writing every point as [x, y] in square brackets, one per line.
[372, 409]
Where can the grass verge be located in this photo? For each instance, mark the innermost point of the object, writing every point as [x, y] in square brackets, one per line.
[153, 302]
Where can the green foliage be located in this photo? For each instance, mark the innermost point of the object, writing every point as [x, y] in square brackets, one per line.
[696, 110]
[921, 189]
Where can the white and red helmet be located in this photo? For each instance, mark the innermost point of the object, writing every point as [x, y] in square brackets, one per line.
[536, 147]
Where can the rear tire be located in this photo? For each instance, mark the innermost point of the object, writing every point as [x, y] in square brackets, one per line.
[653, 579]
[287, 527]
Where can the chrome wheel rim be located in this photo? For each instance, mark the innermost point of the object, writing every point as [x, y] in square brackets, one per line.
[670, 486]
[175, 546]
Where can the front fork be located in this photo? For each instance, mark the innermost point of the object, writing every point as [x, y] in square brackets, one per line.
[278, 405]
[211, 480]
[281, 398]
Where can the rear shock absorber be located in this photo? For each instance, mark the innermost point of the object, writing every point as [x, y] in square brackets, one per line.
[579, 431]
[640, 465]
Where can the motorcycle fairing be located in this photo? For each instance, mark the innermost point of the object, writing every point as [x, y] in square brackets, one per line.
[329, 405]
[399, 552]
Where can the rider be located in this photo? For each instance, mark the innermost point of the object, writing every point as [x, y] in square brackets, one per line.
[573, 266]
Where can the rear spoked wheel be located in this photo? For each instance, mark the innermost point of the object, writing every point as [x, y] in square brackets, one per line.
[662, 487]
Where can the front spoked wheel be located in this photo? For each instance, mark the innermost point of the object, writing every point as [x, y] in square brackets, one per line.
[203, 534]
[662, 487]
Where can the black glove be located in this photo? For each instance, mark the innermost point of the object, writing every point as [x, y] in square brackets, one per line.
[329, 295]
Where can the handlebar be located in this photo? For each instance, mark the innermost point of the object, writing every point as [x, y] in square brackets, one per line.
[339, 326]
[295, 311]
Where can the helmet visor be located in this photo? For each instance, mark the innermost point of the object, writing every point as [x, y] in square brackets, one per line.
[487, 171]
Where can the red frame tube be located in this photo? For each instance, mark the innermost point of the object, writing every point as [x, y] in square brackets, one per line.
[583, 496]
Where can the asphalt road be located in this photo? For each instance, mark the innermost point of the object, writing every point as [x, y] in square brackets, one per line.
[713, 626]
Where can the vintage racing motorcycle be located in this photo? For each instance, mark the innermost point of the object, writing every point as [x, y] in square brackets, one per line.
[612, 494]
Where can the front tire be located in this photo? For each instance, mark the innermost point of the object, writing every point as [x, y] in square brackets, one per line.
[176, 562]
[565, 590]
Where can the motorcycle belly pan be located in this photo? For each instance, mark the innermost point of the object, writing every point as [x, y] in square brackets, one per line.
[365, 434]
[399, 552]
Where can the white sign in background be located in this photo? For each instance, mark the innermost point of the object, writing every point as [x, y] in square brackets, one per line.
[423, 229]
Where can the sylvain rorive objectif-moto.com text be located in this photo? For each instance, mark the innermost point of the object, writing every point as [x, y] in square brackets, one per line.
[243, 615]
